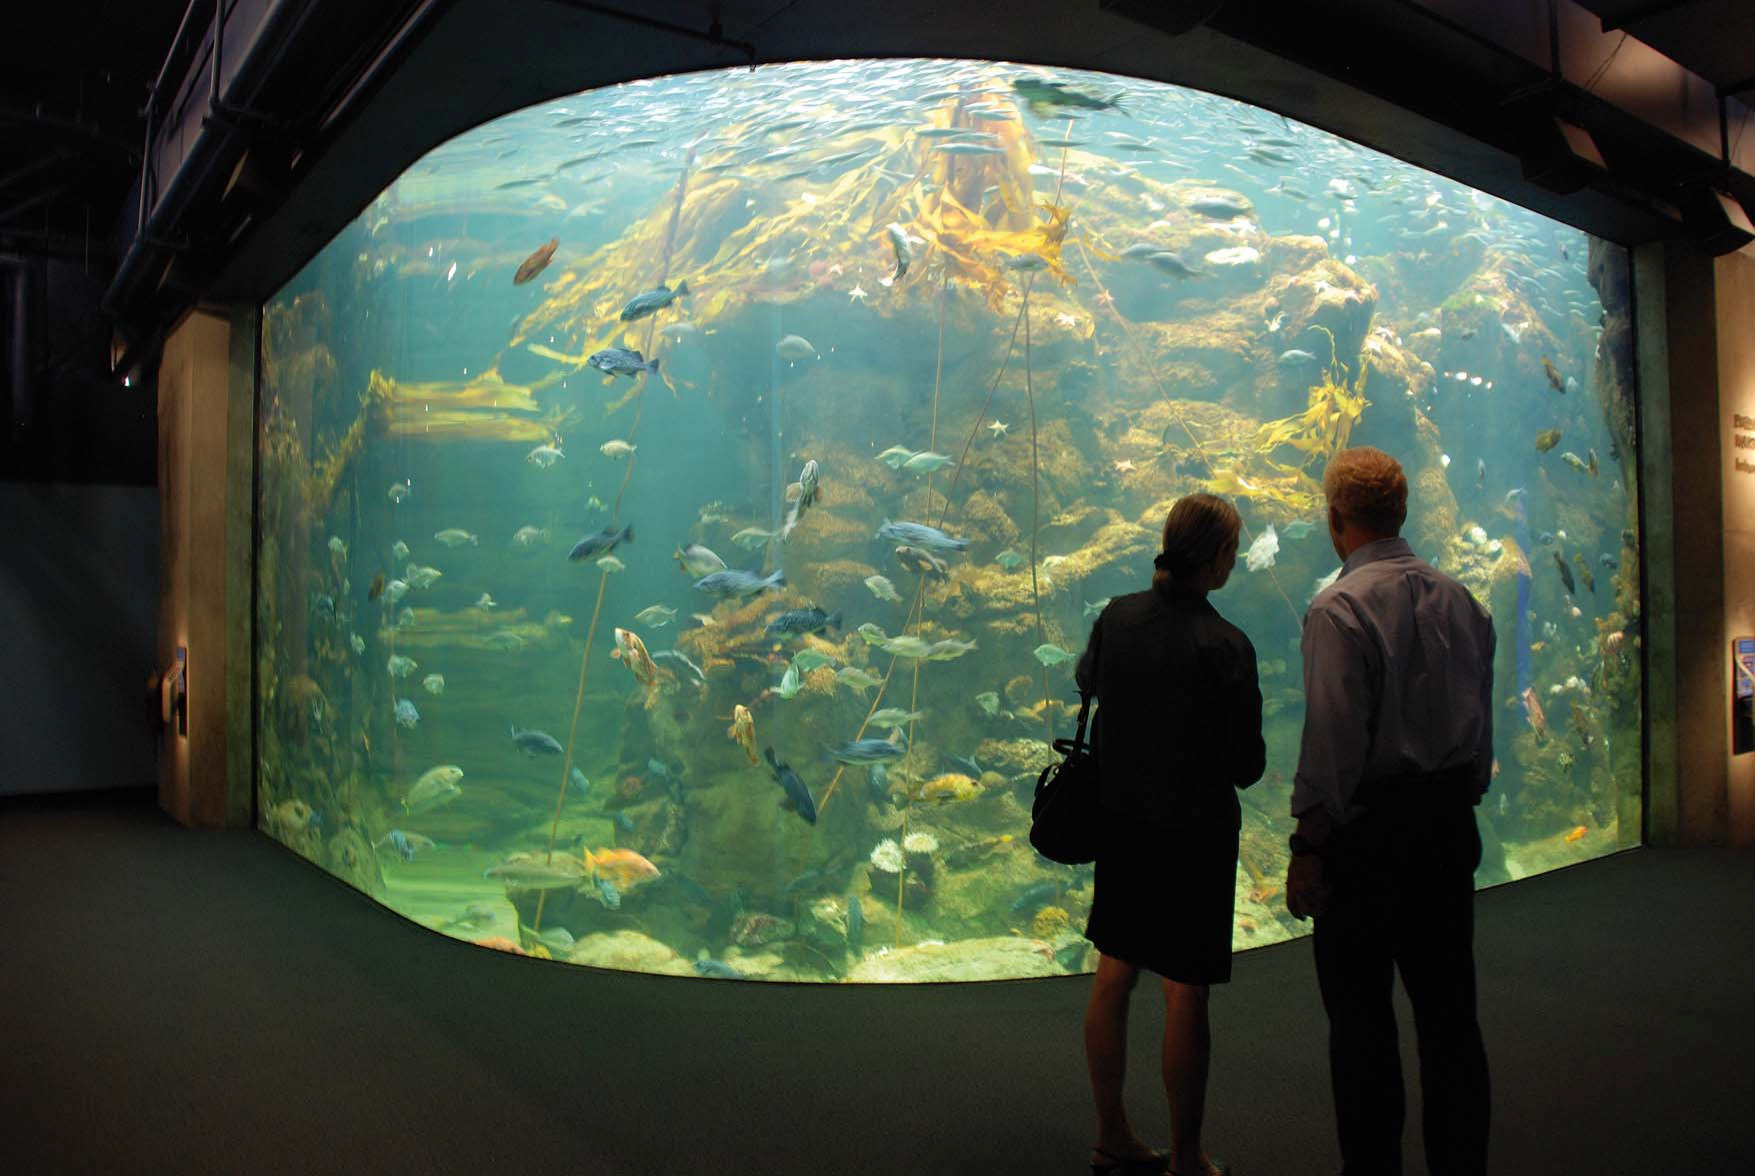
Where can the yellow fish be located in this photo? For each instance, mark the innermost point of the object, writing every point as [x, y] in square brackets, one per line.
[622, 868]
[743, 731]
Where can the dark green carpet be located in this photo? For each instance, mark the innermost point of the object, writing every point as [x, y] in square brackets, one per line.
[185, 1002]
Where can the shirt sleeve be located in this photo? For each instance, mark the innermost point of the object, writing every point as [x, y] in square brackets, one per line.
[1243, 718]
[1085, 673]
[1484, 757]
[1339, 702]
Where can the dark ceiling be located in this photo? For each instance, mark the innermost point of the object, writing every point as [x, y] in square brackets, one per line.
[73, 81]
[1713, 38]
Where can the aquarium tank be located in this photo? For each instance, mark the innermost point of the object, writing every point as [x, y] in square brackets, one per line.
[682, 504]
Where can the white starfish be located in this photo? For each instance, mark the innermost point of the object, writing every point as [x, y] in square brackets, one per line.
[856, 294]
[998, 429]
[1124, 466]
[1066, 320]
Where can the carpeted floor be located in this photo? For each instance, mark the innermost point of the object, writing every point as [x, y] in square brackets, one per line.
[184, 1002]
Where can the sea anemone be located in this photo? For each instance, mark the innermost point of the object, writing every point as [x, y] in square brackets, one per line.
[920, 843]
[887, 856]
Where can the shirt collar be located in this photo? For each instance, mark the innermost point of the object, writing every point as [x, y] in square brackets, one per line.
[1395, 548]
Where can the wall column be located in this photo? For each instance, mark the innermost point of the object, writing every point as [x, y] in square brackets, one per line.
[206, 459]
[1734, 281]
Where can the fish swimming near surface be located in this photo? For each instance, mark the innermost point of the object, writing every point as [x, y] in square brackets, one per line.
[534, 743]
[602, 543]
[621, 361]
[536, 262]
[1042, 96]
[900, 247]
[794, 787]
[735, 582]
[793, 348]
[652, 301]
[1262, 550]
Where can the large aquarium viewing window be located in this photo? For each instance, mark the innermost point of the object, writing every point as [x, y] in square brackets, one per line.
[682, 504]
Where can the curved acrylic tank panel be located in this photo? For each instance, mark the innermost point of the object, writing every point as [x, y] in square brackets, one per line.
[1029, 307]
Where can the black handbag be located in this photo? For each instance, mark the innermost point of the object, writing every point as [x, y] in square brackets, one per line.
[1067, 817]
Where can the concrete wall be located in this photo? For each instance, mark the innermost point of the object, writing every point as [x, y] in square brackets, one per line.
[206, 390]
[78, 598]
[1734, 282]
[1697, 378]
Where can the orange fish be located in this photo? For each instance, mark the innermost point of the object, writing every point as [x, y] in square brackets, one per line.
[499, 943]
[622, 868]
[536, 262]
[1532, 707]
[631, 652]
[1577, 834]
[743, 730]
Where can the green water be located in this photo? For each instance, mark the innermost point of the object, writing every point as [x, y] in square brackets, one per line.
[1115, 293]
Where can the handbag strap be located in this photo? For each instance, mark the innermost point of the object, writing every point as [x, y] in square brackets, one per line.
[1084, 711]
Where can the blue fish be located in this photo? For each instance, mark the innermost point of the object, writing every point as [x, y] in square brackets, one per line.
[969, 764]
[733, 582]
[399, 842]
[868, 751]
[535, 743]
[802, 620]
[920, 535]
[580, 784]
[652, 301]
[624, 822]
[793, 786]
[877, 782]
[716, 969]
[612, 898]
[1034, 897]
[406, 715]
[658, 767]
[602, 543]
[621, 361]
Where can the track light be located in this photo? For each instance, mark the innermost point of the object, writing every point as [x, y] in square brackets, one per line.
[1715, 222]
[1560, 156]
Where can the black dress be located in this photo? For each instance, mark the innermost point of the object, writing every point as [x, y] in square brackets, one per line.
[1179, 732]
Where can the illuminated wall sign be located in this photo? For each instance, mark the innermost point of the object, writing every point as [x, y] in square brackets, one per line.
[1743, 437]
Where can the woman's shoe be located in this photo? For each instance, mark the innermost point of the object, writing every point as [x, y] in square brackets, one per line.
[1153, 1165]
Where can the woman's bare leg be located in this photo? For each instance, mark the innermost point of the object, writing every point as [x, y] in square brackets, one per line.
[1106, 1055]
[1188, 1048]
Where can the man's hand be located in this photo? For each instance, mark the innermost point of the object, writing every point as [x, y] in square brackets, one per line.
[1306, 892]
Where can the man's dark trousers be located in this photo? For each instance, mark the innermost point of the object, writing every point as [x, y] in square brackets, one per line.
[1402, 882]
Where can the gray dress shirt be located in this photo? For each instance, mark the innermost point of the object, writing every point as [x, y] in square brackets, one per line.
[1398, 678]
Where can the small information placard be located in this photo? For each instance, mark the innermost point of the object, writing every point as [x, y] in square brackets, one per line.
[1742, 695]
